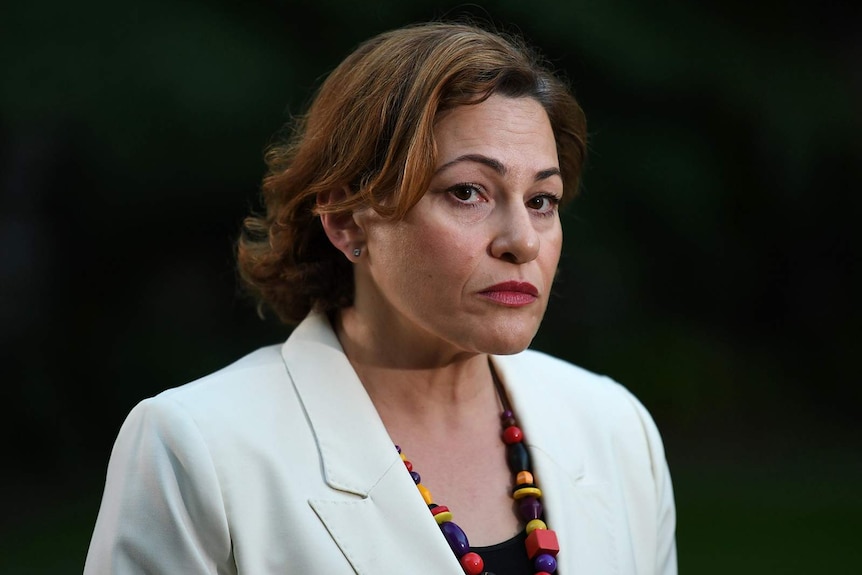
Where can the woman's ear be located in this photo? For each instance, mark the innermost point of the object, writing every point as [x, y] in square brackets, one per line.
[341, 228]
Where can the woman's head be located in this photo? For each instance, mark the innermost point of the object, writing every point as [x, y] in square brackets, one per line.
[368, 140]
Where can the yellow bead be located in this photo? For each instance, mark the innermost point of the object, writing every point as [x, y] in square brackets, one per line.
[426, 495]
[444, 516]
[525, 491]
[403, 457]
[534, 524]
[524, 477]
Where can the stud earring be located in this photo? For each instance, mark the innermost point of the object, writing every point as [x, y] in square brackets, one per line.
[357, 252]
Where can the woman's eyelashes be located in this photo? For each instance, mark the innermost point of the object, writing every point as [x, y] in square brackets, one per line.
[544, 204]
[466, 192]
[469, 194]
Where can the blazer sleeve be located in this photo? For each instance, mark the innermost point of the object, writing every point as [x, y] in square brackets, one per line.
[665, 558]
[162, 510]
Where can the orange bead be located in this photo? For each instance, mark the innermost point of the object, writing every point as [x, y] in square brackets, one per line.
[472, 563]
[524, 477]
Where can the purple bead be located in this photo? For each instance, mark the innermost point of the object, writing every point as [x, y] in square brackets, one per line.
[507, 418]
[546, 563]
[398, 448]
[416, 478]
[456, 538]
[530, 508]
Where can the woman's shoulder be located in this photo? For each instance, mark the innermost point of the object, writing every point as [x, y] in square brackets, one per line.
[249, 370]
[237, 391]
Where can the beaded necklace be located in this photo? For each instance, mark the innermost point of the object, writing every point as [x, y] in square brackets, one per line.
[542, 546]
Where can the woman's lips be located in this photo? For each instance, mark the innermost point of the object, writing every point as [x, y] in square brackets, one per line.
[512, 293]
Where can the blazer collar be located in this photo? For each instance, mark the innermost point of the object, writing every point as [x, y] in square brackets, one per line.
[337, 407]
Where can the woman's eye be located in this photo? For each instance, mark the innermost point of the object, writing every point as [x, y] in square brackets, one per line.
[465, 192]
[544, 203]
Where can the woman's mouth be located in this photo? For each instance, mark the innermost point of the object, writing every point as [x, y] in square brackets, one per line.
[511, 293]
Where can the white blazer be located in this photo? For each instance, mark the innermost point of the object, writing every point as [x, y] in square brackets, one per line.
[279, 463]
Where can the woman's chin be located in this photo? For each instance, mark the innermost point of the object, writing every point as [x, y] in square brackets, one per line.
[508, 342]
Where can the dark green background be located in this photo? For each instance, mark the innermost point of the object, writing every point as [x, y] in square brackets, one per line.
[710, 264]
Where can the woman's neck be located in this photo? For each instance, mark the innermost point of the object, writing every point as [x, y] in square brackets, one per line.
[446, 415]
[430, 388]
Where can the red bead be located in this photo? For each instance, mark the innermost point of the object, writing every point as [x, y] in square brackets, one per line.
[408, 465]
[513, 434]
[472, 563]
[542, 541]
[441, 514]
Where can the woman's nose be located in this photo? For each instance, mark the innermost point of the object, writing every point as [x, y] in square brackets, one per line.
[515, 237]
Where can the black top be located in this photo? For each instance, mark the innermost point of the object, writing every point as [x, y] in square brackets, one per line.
[508, 557]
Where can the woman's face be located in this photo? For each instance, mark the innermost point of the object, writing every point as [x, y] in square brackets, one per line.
[470, 267]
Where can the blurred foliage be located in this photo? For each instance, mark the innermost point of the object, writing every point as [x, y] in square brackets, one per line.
[709, 263]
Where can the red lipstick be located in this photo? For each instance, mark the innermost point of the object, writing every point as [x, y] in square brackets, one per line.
[511, 293]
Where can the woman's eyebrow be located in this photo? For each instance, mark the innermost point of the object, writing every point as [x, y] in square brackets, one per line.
[495, 165]
[545, 174]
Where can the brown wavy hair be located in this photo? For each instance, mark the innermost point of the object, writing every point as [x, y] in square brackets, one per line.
[369, 129]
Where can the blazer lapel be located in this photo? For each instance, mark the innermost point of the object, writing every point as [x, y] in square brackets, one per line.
[377, 518]
[576, 507]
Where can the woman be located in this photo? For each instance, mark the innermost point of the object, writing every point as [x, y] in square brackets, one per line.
[412, 231]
